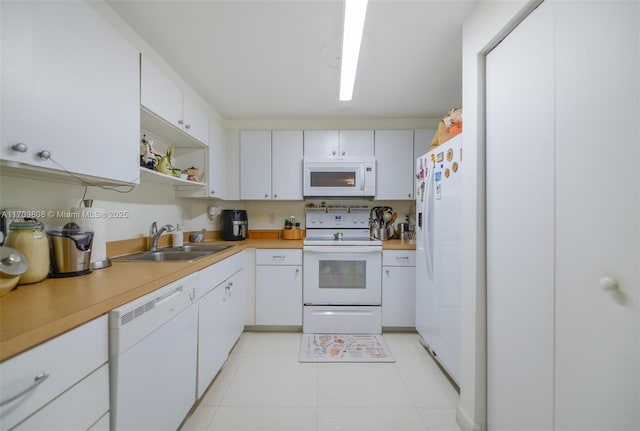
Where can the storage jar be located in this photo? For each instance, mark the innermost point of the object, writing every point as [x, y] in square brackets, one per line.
[29, 238]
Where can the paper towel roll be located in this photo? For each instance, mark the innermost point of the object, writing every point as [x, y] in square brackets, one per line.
[94, 219]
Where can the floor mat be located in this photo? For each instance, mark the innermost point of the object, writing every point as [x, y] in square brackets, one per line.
[344, 348]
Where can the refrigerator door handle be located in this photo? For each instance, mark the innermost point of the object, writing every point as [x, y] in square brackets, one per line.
[427, 229]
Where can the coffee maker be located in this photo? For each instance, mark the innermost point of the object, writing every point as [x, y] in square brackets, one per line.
[235, 225]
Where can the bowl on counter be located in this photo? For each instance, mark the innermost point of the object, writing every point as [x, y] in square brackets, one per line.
[12, 265]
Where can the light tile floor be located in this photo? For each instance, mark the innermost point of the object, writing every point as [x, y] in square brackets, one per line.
[262, 386]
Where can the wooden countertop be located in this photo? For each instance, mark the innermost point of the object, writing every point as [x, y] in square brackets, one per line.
[34, 313]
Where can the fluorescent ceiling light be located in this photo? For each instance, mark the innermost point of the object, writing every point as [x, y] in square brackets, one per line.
[354, 14]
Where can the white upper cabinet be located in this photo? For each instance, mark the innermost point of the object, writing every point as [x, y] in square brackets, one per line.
[334, 144]
[255, 164]
[271, 165]
[195, 120]
[161, 96]
[286, 164]
[69, 92]
[395, 164]
[217, 160]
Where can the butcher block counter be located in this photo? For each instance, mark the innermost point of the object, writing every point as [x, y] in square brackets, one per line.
[34, 313]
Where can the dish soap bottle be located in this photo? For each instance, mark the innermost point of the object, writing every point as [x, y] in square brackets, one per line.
[178, 237]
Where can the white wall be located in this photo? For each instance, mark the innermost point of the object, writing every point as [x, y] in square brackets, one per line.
[487, 24]
[144, 204]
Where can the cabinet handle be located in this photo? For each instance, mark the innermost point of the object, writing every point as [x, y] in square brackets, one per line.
[36, 381]
[278, 257]
[44, 155]
[387, 271]
[275, 196]
[333, 153]
[20, 147]
[187, 126]
[343, 153]
[180, 122]
[213, 192]
[266, 195]
[402, 257]
[408, 195]
[297, 270]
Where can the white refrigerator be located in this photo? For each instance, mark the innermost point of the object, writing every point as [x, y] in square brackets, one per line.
[438, 252]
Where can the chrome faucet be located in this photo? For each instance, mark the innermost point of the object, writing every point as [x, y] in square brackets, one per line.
[154, 234]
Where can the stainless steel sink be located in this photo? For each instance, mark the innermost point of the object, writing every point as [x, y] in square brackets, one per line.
[187, 253]
[209, 248]
[163, 256]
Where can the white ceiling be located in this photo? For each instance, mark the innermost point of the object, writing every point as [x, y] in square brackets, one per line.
[279, 59]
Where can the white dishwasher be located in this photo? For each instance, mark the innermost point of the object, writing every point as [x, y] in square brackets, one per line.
[153, 354]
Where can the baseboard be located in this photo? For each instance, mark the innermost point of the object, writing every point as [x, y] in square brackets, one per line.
[465, 422]
[272, 328]
[403, 329]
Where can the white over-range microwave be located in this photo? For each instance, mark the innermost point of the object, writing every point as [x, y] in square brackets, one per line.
[340, 178]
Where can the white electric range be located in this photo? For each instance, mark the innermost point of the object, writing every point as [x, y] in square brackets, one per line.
[342, 281]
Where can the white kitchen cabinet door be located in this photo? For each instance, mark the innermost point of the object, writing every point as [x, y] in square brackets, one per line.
[286, 164]
[195, 120]
[334, 144]
[255, 165]
[211, 331]
[279, 287]
[321, 143]
[234, 299]
[70, 87]
[395, 165]
[356, 143]
[279, 295]
[597, 358]
[159, 94]
[399, 288]
[217, 160]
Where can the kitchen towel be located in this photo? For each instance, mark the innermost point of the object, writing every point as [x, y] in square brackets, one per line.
[344, 348]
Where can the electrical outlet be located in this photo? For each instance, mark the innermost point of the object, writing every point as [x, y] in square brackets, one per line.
[272, 218]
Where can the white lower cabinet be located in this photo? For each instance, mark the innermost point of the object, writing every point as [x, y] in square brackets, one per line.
[398, 288]
[73, 392]
[220, 316]
[279, 287]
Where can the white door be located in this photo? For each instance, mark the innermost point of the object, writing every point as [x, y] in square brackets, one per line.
[520, 221]
[562, 221]
[597, 189]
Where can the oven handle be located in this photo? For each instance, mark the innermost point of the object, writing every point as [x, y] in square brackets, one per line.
[342, 249]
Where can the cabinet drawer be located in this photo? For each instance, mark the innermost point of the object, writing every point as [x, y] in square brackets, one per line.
[67, 359]
[215, 274]
[279, 257]
[78, 408]
[399, 258]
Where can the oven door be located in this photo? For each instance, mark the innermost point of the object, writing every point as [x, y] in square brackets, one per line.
[342, 275]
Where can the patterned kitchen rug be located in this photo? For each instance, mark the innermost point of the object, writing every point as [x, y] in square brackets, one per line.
[344, 348]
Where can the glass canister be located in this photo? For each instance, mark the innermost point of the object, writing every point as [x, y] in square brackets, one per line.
[29, 238]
